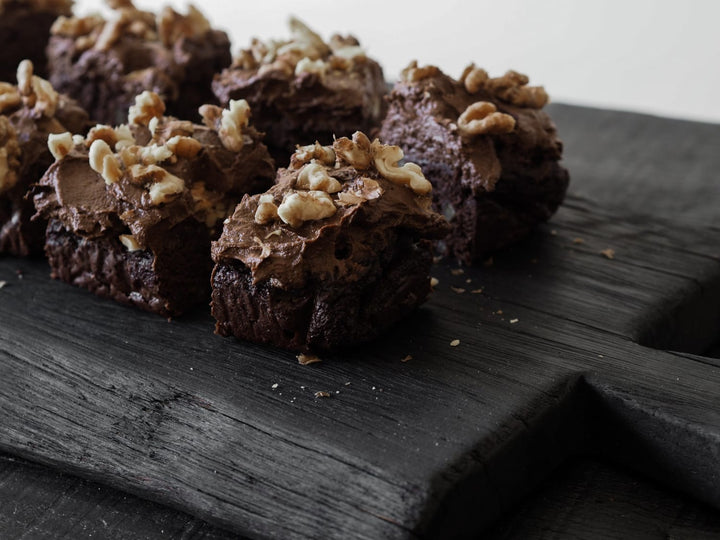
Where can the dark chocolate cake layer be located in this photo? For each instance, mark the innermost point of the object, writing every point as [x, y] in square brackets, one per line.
[29, 113]
[305, 89]
[490, 151]
[148, 197]
[25, 31]
[105, 64]
[332, 255]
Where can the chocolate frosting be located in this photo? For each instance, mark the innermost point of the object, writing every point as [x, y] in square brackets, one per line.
[371, 211]
[213, 181]
[32, 127]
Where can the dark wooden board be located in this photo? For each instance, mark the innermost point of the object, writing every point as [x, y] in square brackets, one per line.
[174, 414]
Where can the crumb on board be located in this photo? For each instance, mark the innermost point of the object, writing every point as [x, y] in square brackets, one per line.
[514, 321]
[468, 280]
[489, 262]
[307, 359]
[553, 232]
[274, 386]
[499, 312]
[434, 282]
[407, 358]
[458, 290]
[3, 284]
[476, 291]
[457, 271]
[608, 253]
[322, 394]
[455, 343]
[578, 240]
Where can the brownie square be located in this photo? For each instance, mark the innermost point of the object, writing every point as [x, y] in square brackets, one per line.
[25, 31]
[29, 112]
[104, 64]
[304, 89]
[132, 209]
[332, 255]
[490, 151]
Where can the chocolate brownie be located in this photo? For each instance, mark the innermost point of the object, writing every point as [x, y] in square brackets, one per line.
[304, 89]
[104, 64]
[29, 112]
[332, 255]
[490, 151]
[132, 209]
[25, 31]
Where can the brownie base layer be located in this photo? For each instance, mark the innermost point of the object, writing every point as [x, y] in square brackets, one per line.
[167, 283]
[18, 235]
[321, 316]
[24, 33]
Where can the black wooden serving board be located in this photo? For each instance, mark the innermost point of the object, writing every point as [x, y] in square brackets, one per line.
[565, 352]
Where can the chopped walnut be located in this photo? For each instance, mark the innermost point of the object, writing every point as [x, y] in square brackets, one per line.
[365, 189]
[386, 161]
[305, 154]
[75, 26]
[149, 155]
[301, 206]
[36, 93]
[9, 155]
[9, 97]
[166, 187]
[314, 176]
[413, 73]
[482, 118]
[356, 152]
[60, 144]
[210, 115]
[130, 242]
[24, 77]
[306, 65]
[148, 105]
[103, 161]
[311, 44]
[473, 78]
[233, 120]
[123, 137]
[104, 133]
[172, 26]
[512, 87]
[266, 211]
[184, 147]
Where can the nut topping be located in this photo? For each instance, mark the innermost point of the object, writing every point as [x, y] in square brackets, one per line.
[473, 78]
[413, 73]
[184, 147]
[357, 153]
[301, 206]
[305, 154]
[266, 211]
[233, 119]
[148, 105]
[482, 118]
[60, 144]
[512, 87]
[9, 155]
[166, 187]
[130, 242]
[9, 97]
[410, 174]
[103, 161]
[314, 176]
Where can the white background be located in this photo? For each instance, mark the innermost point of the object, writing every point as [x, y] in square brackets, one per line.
[660, 57]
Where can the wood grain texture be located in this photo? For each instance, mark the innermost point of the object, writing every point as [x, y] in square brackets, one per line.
[554, 359]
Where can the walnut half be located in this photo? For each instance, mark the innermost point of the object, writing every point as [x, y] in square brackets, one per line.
[410, 174]
[482, 118]
[301, 206]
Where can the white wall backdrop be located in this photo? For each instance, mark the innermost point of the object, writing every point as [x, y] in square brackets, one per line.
[656, 56]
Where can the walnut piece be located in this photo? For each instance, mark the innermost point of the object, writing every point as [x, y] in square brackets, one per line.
[102, 132]
[166, 187]
[301, 206]
[9, 155]
[413, 73]
[357, 153]
[75, 26]
[305, 154]
[104, 162]
[266, 211]
[36, 93]
[512, 87]
[314, 176]
[473, 78]
[184, 147]
[60, 144]
[130, 242]
[306, 65]
[148, 105]
[9, 97]
[232, 121]
[482, 118]
[173, 26]
[386, 159]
